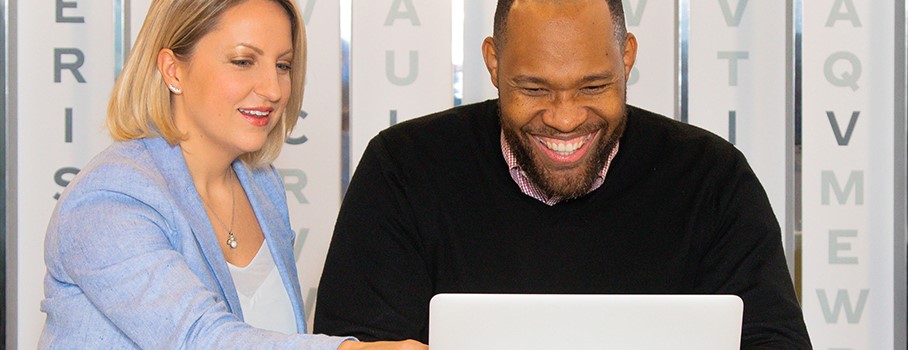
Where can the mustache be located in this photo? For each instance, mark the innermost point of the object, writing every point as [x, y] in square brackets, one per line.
[548, 131]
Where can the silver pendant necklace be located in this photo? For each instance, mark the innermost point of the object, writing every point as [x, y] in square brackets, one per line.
[231, 238]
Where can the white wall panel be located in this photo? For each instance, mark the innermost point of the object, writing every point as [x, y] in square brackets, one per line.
[848, 173]
[479, 19]
[310, 162]
[137, 11]
[737, 83]
[66, 71]
[400, 65]
[652, 82]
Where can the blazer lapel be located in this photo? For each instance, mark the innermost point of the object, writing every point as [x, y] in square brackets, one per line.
[173, 166]
[275, 225]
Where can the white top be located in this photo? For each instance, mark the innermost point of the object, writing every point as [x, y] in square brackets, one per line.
[264, 299]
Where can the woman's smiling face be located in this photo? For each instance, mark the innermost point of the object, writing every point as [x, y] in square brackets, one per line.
[236, 83]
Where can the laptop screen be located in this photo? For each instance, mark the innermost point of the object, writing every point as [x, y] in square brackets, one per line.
[557, 321]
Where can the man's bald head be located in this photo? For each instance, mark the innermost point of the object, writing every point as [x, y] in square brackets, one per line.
[616, 8]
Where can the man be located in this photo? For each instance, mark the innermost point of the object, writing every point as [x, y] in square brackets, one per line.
[557, 187]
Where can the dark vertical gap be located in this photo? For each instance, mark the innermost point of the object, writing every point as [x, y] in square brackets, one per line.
[788, 225]
[684, 29]
[457, 69]
[122, 37]
[900, 207]
[8, 156]
[346, 20]
[798, 197]
[3, 185]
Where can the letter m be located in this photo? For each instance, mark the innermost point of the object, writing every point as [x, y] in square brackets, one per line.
[855, 183]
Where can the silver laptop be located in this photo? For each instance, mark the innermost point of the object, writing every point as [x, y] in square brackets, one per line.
[558, 321]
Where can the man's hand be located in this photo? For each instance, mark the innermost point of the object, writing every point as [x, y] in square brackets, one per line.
[383, 345]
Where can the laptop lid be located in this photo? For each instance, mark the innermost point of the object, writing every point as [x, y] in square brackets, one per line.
[558, 321]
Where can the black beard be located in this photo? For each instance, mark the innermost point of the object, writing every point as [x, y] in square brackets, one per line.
[565, 187]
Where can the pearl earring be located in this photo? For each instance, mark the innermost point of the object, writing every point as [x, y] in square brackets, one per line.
[174, 89]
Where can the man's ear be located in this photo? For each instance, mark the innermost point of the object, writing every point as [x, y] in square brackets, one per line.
[490, 55]
[167, 66]
[630, 54]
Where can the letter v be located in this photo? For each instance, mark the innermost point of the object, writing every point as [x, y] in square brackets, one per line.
[842, 139]
[733, 20]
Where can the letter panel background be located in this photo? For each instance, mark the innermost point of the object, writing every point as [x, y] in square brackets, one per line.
[737, 84]
[849, 292]
[401, 65]
[652, 84]
[52, 144]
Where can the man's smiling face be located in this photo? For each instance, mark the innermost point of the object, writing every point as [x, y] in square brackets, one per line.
[561, 79]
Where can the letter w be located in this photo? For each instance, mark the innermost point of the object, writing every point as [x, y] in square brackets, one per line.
[853, 315]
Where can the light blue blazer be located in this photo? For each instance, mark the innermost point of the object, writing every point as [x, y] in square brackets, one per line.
[133, 262]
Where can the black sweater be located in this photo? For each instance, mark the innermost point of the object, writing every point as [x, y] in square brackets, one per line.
[432, 209]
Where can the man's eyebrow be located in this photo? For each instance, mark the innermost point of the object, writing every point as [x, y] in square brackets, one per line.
[527, 79]
[600, 77]
[593, 78]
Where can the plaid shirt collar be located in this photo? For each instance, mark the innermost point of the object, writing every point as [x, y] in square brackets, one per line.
[531, 189]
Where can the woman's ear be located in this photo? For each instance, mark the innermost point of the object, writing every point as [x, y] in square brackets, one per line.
[167, 66]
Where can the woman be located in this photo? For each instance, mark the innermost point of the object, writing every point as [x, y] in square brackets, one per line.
[178, 232]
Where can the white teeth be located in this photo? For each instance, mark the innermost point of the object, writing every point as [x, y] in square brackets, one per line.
[564, 148]
[255, 113]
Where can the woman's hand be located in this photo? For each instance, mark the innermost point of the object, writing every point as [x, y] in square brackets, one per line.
[383, 345]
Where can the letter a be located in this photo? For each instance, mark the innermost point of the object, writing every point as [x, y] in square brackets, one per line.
[850, 14]
[396, 13]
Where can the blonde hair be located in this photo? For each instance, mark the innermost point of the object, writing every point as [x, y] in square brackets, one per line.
[140, 104]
